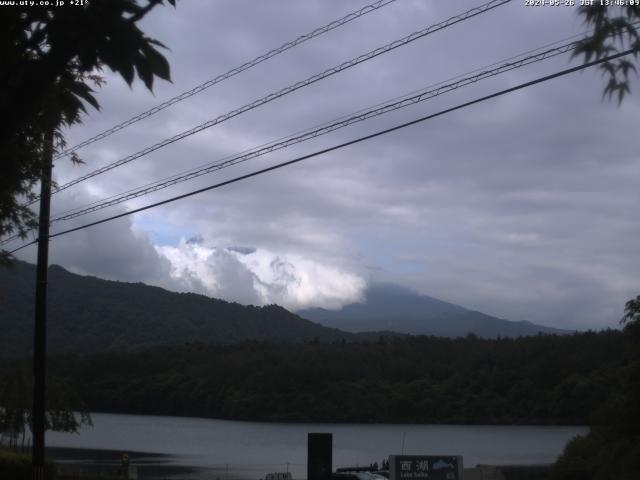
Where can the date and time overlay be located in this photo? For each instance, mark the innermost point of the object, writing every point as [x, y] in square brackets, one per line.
[526, 3]
[581, 3]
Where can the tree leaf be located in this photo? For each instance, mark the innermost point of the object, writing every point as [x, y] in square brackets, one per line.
[158, 62]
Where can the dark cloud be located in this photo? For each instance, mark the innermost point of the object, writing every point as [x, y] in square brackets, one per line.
[523, 207]
[242, 250]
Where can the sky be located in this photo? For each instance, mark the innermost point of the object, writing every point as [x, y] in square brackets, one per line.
[523, 207]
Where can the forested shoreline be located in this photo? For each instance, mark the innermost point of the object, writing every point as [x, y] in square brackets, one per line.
[542, 380]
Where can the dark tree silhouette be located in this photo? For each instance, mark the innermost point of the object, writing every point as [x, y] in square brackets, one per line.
[51, 59]
[65, 412]
[632, 311]
[611, 449]
[613, 31]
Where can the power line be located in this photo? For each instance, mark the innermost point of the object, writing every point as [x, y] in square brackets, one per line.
[201, 169]
[9, 239]
[309, 134]
[256, 151]
[340, 146]
[234, 71]
[291, 88]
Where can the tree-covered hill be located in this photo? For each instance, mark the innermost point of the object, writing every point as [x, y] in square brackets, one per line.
[88, 314]
[530, 380]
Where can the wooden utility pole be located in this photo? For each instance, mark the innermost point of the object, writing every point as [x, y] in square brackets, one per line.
[40, 333]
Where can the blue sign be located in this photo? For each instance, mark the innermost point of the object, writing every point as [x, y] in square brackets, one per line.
[425, 467]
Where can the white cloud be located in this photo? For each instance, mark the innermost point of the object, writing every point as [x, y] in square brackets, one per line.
[261, 276]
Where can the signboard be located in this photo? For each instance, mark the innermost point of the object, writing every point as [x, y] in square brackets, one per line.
[425, 467]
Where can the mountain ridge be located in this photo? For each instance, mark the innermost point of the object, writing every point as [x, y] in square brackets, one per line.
[402, 310]
[124, 316]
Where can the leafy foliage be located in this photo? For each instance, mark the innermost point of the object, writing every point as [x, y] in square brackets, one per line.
[632, 312]
[14, 401]
[611, 449]
[614, 31]
[65, 411]
[17, 466]
[530, 380]
[49, 58]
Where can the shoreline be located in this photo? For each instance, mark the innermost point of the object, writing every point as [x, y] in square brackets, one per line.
[338, 422]
[78, 462]
[461, 423]
[254, 449]
[74, 462]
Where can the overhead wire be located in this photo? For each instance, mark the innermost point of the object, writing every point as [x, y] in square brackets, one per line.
[291, 88]
[234, 71]
[504, 65]
[405, 40]
[339, 146]
[310, 134]
[202, 168]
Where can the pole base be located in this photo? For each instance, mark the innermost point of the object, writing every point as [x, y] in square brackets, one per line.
[38, 473]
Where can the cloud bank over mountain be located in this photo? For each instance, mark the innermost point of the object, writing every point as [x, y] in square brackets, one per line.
[259, 276]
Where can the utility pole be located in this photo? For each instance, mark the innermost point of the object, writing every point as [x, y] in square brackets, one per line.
[40, 332]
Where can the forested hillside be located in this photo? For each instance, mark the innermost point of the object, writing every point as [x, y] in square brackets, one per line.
[531, 380]
[88, 314]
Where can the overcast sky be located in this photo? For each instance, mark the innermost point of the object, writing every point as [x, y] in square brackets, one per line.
[524, 207]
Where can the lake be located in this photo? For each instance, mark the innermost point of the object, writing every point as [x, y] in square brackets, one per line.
[221, 448]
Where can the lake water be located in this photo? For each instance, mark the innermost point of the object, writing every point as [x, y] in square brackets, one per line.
[223, 448]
